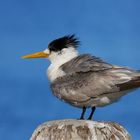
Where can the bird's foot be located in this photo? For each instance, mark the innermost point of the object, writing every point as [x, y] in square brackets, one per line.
[90, 118]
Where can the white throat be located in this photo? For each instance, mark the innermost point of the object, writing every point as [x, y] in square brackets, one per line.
[57, 59]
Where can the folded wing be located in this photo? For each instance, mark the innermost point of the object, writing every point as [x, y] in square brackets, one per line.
[90, 77]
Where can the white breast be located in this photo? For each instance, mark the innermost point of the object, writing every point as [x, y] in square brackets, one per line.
[54, 72]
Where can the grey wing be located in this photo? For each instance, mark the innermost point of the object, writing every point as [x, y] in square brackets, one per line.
[89, 77]
[86, 63]
[85, 75]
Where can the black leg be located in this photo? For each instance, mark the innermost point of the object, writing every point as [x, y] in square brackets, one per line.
[92, 112]
[83, 113]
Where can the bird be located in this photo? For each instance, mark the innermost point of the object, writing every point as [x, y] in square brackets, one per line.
[83, 80]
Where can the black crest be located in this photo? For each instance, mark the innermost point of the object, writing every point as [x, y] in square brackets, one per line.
[64, 42]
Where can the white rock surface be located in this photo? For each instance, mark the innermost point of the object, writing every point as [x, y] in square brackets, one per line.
[80, 130]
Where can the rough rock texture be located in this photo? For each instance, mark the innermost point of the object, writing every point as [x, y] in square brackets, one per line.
[80, 130]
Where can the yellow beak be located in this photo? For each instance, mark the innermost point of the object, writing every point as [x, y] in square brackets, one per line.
[36, 55]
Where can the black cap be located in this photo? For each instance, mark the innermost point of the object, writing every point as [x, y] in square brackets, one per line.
[64, 42]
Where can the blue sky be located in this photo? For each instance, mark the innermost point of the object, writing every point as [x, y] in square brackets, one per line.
[109, 29]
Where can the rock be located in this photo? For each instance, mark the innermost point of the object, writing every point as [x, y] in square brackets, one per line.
[80, 130]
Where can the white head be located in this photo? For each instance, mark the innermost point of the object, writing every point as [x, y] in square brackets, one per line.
[59, 52]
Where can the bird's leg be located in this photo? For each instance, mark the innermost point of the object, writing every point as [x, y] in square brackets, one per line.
[92, 112]
[83, 113]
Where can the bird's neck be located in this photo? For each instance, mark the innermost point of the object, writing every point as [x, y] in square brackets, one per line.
[54, 71]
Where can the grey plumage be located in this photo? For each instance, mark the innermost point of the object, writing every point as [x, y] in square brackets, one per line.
[90, 82]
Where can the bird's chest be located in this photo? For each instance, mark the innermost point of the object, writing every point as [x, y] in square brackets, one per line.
[54, 72]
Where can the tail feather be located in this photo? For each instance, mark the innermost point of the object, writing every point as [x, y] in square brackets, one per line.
[132, 84]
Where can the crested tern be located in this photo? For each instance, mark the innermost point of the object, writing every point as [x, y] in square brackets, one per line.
[85, 81]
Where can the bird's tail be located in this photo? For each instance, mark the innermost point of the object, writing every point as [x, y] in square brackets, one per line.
[131, 84]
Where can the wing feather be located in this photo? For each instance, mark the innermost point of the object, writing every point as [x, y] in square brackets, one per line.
[90, 77]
